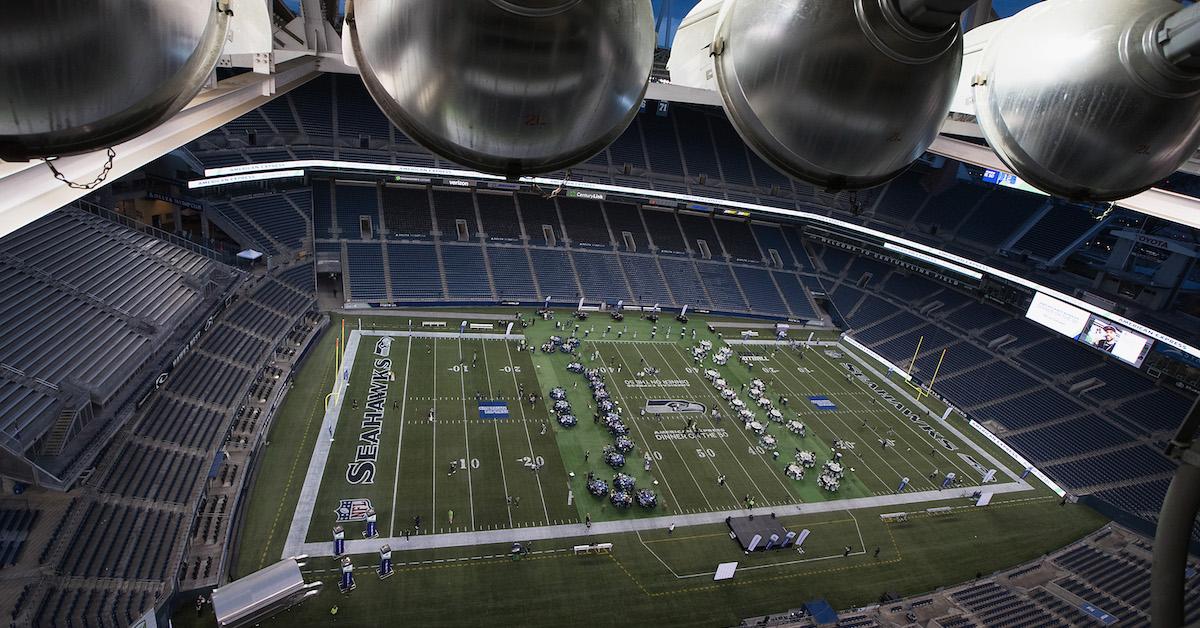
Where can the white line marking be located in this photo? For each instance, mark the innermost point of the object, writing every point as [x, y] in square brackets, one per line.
[499, 449]
[400, 439]
[462, 378]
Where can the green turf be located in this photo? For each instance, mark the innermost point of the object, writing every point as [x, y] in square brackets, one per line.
[455, 463]
[638, 583]
[659, 579]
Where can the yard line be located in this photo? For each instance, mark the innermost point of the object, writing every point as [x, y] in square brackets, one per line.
[741, 430]
[462, 379]
[433, 513]
[673, 445]
[503, 478]
[524, 422]
[400, 438]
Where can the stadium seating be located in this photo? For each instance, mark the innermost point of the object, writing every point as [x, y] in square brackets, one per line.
[586, 225]
[455, 213]
[698, 229]
[354, 202]
[601, 277]
[466, 275]
[15, 524]
[760, 290]
[771, 238]
[797, 297]
[646, 280]
[902, 199]
[414, 271]
[541, 220]
[366, 271]
[406, 212]
[664, 233]
[276, 217]
[510, 268]
[684, 282]
[738, 240]
[548, 266]
[625, 218]
[721, 286]
[1062, 225]
[499, 216]
[998, 215]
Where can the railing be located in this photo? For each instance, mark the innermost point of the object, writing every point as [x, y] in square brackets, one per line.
[129, 223]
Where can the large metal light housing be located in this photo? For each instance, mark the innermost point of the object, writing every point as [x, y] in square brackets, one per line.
[840, 93]
[509, 87]
[1078, 98]
[76, 77]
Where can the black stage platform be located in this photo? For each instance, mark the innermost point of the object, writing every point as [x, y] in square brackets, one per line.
[744, 529]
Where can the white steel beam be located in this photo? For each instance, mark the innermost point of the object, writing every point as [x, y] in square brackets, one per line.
[29, 191]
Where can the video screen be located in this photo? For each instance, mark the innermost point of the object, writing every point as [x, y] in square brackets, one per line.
[1111, 338]
[1095, 331]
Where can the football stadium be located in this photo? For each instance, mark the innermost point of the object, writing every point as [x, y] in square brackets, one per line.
[787, 313]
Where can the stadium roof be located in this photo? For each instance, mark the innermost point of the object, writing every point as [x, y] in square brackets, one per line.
[308, 43]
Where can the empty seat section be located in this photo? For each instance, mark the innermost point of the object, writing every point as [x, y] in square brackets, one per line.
[554, 275]
[600, 276]
[646, 280]
[455, 215]
[277, 218]
[760, 291]
[406, 212]
[697, 144]
[541, 220]
[499, 215]
[721, 287]
[1058, 228]
[357, 113]
[661, 145]
[946, 209]
[664, 231]
[902, 199]
[354, 202]
[322, 203]
[738, 240]
[770, 238]
[684, 282]
[731, 153]
[626, 222]
[627, 148]
[999, 214]
[510, 270]
[699, 229]
[314, 105]
[414, 271]
[366, 272]
[585, 220]
[466, 276]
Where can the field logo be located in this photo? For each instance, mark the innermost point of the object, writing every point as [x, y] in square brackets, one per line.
[362, 470]
[821, 402]
[383, 346]
[493, 409]
[674, 406]
[352, 510]
[887, 397]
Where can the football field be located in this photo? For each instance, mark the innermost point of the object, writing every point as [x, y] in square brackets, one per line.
[411, 442]
[435, 432]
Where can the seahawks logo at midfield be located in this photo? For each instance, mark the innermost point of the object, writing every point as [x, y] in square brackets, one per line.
[674, 406]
